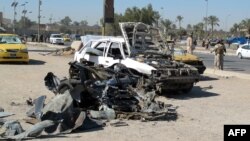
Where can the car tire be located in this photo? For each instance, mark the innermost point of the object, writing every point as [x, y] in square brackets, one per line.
[240, 56]
[188, 89]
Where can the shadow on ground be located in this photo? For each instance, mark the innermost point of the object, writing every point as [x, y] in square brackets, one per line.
[207, 78]
[41, 50]
[234, 69]
[36, 62]
[197, 92]
[31, 62]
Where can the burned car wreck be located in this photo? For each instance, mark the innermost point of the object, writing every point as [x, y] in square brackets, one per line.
[88, 99]
[144, 53]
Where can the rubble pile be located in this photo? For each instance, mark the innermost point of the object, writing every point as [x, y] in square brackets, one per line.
[92, 96]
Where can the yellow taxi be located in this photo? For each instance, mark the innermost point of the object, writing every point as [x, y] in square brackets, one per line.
[181, 55]
[12, 49]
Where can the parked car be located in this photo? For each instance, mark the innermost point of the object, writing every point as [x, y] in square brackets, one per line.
[213, 42]
[237, 40]
[181, 55]
[12, 49]
[66, 38]
[145, 55]
[243, 51]
[75, 37]
[56, 39]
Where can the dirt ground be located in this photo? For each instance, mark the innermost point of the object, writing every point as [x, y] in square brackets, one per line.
[213, 102]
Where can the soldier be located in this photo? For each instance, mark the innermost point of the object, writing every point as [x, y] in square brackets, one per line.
[190, 44]
[219, 50]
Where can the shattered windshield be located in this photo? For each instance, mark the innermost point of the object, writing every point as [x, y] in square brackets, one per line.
[10, 40]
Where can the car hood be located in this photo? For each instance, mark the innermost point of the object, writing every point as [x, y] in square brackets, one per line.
[140, 37]
[12, 46]
[186, 57]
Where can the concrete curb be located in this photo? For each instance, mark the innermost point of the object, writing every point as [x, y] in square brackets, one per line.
[47, 45]
[223, 73]
[208, 52]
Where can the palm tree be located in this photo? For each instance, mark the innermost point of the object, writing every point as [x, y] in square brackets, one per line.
[166, 24]
[246, 24]
[179, 18]
[235, 28]
[189, 27]
[198, 29]
[213, 21]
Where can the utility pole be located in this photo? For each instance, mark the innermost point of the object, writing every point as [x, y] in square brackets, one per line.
[39, 17]
[108, 14]
[14, 5]
[24, 13]
[206, 14]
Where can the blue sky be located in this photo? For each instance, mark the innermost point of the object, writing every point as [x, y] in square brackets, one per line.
[193, 11]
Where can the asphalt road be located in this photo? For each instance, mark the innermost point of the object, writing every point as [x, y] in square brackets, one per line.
[231, 63]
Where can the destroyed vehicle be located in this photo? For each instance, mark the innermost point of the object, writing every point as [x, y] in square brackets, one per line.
[181, 55]
[143, 52]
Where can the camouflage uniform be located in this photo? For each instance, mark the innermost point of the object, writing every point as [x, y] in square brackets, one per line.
[219, 50]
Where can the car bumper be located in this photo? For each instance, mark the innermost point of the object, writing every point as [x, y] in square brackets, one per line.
[201, 69]
[14, 57]
[198, 65]
[176, 83]
[174, 80]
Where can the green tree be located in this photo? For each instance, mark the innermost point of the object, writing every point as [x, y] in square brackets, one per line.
[75, 23]
[173, 26]
[66, 21]
[166, 25]
[235, 28]
[25, 22]
[189, 27]
[146, 15]
[179, 18]
[246, 25]
[213, 21]
[84, 23]
[198, 30]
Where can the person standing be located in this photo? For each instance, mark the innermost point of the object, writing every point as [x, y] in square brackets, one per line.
[219, 50]
[190, 44]
[207, 42]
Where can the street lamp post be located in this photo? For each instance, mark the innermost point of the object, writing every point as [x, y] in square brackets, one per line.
[39, 17]
[14, 5]
[206, 14]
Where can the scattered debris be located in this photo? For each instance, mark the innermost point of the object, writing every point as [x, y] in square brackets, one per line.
[207, 88]
[5, 114]
[15, 104]
[118, 123]
[29, 102]
[90, 97]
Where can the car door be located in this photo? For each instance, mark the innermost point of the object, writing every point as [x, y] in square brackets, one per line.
[113, 54]
[244, 50]
[93, 57]
[248, 51]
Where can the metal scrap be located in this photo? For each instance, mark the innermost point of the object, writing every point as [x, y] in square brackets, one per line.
[5, 114]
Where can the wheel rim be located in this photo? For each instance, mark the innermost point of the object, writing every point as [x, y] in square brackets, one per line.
[239, 55]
